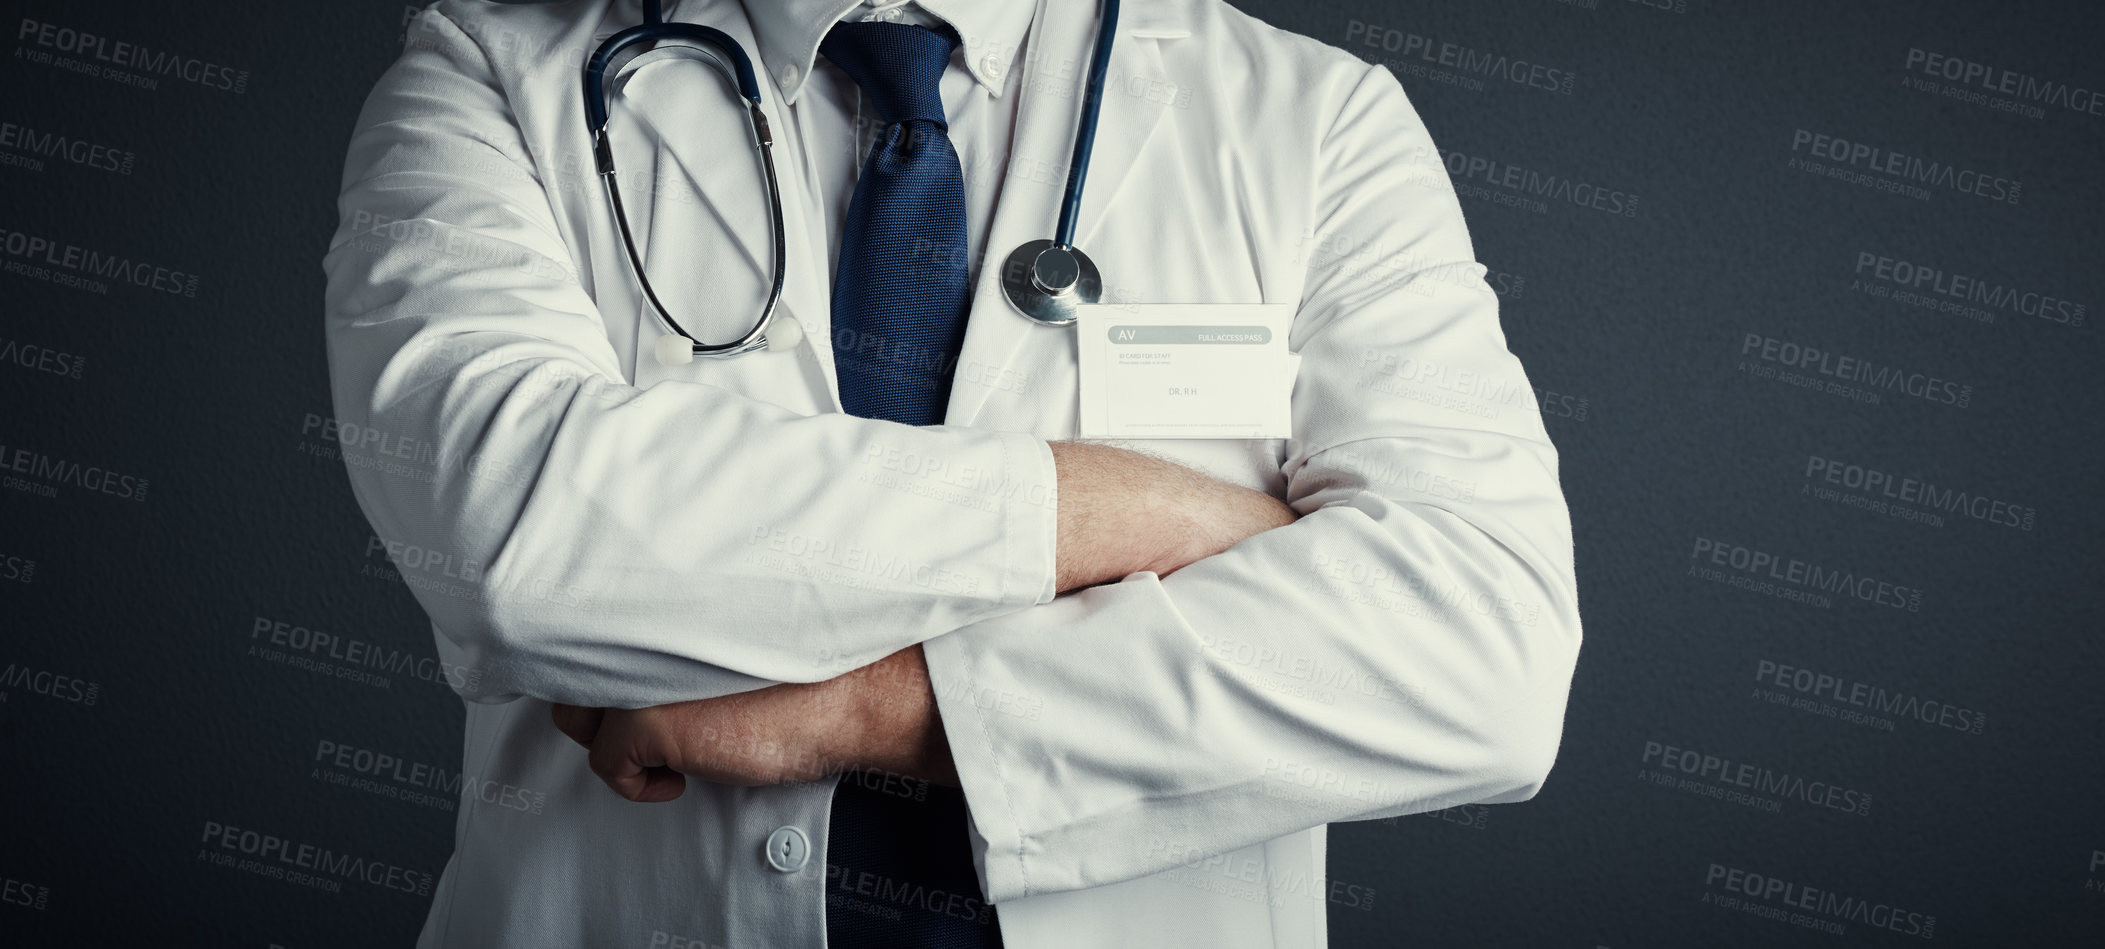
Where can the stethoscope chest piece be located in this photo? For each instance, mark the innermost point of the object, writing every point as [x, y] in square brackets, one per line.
[1046, 281]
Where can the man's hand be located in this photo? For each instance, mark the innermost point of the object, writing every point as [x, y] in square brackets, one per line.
[880, 717]
[1121, 511]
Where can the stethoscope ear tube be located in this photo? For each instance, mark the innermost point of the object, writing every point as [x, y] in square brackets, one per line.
[1085, 131]
[736, 62]
[676, 349]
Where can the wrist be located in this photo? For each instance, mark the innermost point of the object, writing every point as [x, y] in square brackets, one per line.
[887, 720]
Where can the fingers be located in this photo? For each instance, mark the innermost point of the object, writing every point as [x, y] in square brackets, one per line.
[660, 785]
[775, 735]
[613, 761]
[631, 769]
[581, 724]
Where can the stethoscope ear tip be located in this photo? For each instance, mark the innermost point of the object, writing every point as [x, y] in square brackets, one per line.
[783, 334]
[673, 350]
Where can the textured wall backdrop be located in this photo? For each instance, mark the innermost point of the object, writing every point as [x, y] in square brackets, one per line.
[1808, 290]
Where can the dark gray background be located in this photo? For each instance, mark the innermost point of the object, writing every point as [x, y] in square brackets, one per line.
[1637, 318]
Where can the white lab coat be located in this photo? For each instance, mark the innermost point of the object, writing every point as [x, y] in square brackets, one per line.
[1147, 763]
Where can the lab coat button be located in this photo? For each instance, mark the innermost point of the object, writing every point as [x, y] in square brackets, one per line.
[787, 849]
[788, 76]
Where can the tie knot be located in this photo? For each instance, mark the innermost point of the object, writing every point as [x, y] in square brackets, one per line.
[898, 65]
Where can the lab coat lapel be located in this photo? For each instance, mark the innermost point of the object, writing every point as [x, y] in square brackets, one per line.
[1132, 109]
[1003, 351]
[699, 207]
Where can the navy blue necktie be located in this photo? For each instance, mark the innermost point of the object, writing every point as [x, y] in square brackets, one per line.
[899, 293]
[899, 871]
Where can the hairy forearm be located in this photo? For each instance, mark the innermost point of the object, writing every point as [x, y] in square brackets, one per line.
[1122, 511]
[898, 729]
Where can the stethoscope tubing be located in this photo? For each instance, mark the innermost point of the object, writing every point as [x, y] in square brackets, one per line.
[740, 69]
[1085, 129]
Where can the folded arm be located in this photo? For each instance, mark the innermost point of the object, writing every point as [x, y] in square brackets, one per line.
[1120, 512]
[1405, 646]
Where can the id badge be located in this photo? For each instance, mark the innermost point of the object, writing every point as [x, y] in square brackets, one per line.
[1185, 370]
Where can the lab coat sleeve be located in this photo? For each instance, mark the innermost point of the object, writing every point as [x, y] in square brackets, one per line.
[575, 538]
[1406, 646]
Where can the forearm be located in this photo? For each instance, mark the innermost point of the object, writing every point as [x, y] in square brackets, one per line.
[1122, 511]
[899, 730]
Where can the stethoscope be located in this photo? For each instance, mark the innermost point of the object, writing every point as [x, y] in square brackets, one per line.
[1043, 279]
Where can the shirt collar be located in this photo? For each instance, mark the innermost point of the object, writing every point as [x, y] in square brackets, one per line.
[789, 32]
